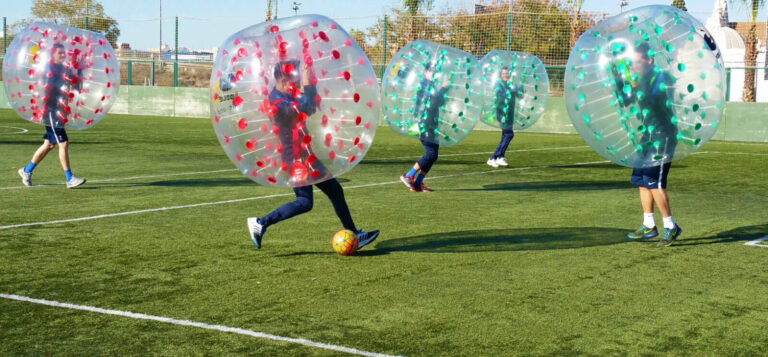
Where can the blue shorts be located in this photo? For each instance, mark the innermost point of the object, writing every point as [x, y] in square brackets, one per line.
[55, 135]
[651, 177]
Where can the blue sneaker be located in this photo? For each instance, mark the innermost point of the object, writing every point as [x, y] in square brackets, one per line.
[643, 233]
[669, 235]
[257, 230]
[363, 237]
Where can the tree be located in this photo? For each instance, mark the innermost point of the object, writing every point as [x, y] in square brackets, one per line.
[680, 4]
[413, 9]
[78, 13]
[576, 26]
[750, 54]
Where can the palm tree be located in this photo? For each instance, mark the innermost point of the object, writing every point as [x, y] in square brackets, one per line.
[680, 4]
[750, 54]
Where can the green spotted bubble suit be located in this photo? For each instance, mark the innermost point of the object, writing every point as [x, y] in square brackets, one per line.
[517, 101]
[645, 87]
[426, 91]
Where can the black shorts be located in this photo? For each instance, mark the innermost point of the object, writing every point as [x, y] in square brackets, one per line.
[55, 135]
[651, 177]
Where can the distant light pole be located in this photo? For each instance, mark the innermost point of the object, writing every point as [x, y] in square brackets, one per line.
[623, 3]
[296, 7]
[160, 48]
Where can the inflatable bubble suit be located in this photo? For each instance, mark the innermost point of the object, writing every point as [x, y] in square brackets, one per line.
[294, 101]
[646, 86]
[512, 87]
[425, 92]
[60, 76]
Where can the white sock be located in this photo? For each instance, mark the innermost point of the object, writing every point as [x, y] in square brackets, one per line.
[669, 223]
[648, 220]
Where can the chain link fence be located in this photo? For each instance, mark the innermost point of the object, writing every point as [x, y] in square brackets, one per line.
[545, 28]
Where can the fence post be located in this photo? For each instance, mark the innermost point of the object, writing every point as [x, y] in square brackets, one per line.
[509, 28]
[727, 84]
[130, 73]
[384, 49]
[176, 60]
[152, 75]
[5, 35]
[86, 22]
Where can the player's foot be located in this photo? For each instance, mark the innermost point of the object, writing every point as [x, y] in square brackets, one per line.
[643, 233]
[501, 162]
[363, 237]
[26, 177]
[408, 181]
[669, 235]
[492, 162]
[257, 230]
[423, 188]
[75, 181]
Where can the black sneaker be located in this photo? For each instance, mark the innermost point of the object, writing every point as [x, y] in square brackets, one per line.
[643, 233]
[669, 235]
[363, 237]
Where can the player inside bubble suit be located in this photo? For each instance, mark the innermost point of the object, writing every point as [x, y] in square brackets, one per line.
[61, 77]
[292, 95]
[651, 89]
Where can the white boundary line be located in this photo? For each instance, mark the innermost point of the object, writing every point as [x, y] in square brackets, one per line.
[13, 127]
[125, 178]
[279, 195]
[222, 328]
[755, 243]
[224, 170]
[731, 153]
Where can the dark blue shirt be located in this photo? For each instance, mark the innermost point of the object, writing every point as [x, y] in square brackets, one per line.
[432, 99]
[506, 97]
[286, 118]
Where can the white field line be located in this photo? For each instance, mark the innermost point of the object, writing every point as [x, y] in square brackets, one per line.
[479, 153]
[126, 178]
[22, 130]
[202, 325]
[168, 208]
[756, 242]
[731, 153]
[224, 170]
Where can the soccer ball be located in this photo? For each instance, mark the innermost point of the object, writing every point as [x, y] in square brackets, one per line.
[345, 242]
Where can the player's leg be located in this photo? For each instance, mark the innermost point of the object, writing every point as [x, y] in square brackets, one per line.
[648, 228]
[506, 137]
[26, 171]
[72, 180]
[671, 229]
[332, 188]
[431, 152]
[303, 203]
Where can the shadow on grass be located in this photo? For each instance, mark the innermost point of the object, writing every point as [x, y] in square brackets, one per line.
[39, 141]
[552, 186]
[745, 233]
[193, 182]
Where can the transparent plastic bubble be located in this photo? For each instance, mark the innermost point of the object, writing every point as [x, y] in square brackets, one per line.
[294, 101]
[426, 92]
[645, 87]
[512, 87]
[60, 76]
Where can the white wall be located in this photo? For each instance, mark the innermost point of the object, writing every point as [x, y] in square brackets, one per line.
[735, 58]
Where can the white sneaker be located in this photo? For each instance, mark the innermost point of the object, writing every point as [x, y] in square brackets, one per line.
[75, 181]
[257, 230]
[501, 162]
[26, 177]
[492, 163]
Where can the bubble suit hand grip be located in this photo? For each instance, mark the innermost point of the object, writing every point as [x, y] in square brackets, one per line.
[294, 101]
[60, 76]
[425, 92]
[513, 88]
[646, 86]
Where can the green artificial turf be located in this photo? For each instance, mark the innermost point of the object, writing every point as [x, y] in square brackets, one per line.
[527, 260]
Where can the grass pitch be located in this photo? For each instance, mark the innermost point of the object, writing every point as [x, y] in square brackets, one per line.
[531, 259]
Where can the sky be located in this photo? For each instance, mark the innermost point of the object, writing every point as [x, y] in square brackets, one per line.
[204, 24]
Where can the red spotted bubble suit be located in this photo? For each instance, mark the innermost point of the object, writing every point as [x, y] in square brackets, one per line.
[60, 76]
[294, 101]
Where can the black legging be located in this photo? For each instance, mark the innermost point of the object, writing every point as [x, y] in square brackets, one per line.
[430, 156]
[304, 203]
